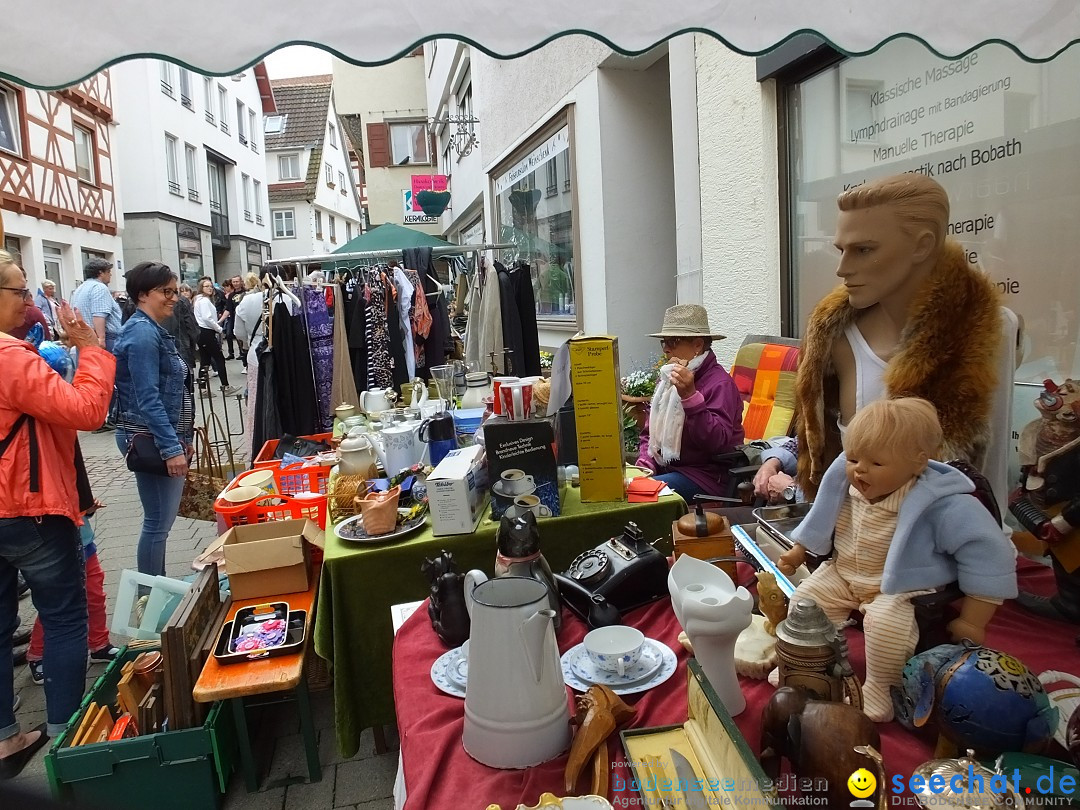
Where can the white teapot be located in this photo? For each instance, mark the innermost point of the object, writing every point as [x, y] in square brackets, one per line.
[399, 447]
[377, 400]
[358, 455]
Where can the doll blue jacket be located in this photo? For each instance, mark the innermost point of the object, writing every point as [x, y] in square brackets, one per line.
[943, 534]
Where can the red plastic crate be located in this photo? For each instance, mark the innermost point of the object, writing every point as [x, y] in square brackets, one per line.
[272, 507]
[265, 458]
[299, 478]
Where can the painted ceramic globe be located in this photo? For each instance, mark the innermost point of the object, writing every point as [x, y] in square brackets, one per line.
[985, 699]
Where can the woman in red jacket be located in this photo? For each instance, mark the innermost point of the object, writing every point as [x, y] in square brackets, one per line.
[40, 414]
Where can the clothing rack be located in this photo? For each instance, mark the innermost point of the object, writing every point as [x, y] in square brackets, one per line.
[436, 252]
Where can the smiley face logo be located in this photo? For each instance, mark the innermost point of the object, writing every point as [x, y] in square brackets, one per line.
[861, 783]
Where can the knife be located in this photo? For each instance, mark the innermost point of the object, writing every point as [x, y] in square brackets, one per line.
[688, 782]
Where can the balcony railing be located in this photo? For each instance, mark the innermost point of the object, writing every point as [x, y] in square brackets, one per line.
[193, 195]
[243, 138]
[219, 229]
[247, 215]
[174, 187]
[224, 127]
[209, 117]
[186, 101]
[258, 219]
[166, 88]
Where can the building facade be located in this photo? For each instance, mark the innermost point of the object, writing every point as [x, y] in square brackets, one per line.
[58, 195]
[388, 105]
[193, 174]
[314, 204]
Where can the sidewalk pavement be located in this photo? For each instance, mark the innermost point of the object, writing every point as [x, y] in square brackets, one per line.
[364, 782]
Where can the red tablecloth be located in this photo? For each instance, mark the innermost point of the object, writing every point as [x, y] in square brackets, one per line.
[438, 772]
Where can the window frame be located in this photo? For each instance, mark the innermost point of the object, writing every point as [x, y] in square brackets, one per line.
[223, 109]
[329, 172]
[191, 169]
[185, 90]
[11, 101]
[240, 124]
[318, 224]
[395, 160]
[333, 135]
[245, 189]
[252, 129]
[167, 79]
[282, 177]
[257, 194]
[208, 108]
[332, 228]
[172, 167]
[92, 157]
[278, 118]
[290, 214]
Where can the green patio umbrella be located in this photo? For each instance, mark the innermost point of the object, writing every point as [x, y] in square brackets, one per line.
[385, 237]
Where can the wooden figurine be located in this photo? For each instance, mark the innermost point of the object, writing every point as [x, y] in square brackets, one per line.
[822, 740]
[599, 712]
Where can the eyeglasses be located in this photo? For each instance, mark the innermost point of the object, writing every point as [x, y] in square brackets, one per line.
[671, 342]
[22, 291]
[168, 292]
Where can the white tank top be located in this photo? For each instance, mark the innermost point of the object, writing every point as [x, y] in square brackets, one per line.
[869, 371]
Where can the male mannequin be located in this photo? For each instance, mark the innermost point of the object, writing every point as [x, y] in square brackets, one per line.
[912, 318]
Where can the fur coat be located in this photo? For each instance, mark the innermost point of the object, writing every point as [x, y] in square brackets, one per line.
[947, 354]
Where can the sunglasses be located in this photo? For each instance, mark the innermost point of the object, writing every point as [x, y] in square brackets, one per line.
[24, 293]
[670, 343]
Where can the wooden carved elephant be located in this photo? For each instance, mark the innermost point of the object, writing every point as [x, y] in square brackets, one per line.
[824, 742]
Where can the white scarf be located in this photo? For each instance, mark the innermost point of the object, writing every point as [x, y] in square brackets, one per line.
[666, 416]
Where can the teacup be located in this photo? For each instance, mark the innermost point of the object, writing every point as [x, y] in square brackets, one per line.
[614, 649]
[516, 482]
[531, 503]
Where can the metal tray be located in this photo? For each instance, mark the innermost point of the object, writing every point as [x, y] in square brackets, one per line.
[780, 521]
[294, 641]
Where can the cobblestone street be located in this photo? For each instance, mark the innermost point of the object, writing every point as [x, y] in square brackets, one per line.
[365, 781]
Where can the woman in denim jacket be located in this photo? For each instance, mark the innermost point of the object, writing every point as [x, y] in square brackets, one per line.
[152, 397]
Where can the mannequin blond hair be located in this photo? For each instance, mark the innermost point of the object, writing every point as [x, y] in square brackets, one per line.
[905, 426]
[920, 203]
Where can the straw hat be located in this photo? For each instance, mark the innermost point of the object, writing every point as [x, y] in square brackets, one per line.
[687, 320]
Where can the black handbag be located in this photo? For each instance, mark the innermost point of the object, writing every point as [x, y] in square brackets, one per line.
[143, 456]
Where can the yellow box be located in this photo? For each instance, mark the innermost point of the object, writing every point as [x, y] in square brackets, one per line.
[594, 373]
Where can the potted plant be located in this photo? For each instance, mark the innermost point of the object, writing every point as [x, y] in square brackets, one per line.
[637, 390]
[433, 203]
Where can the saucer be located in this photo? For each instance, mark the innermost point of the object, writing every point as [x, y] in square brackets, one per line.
[667, 668]
[646, 667]
[497, 488]
[448, 669]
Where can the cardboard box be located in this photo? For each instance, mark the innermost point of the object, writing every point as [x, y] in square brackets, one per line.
[525, 445]
[457, 491]
[267, 559]
[594, 373]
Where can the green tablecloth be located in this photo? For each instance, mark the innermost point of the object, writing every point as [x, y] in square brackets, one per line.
[353, 627]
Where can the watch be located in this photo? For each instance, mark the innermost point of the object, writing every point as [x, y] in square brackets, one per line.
[789, 493]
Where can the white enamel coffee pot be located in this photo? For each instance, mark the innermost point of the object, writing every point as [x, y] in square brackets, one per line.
[516, 712]
[377, 400]
[399, 447]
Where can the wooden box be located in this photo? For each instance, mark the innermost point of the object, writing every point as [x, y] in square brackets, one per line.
[725, 769]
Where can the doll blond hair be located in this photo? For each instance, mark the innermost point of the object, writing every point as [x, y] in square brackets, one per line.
[920, 203]
[905, 426]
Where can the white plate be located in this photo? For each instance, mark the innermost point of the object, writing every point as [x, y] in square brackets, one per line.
[441, 672]
[647, 665]
[667, 669]
[498, 490]
[352, 529]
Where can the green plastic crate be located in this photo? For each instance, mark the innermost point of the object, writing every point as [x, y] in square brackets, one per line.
[171, 770]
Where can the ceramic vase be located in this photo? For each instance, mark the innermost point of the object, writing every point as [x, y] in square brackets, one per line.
[379, 510]
[712, 611]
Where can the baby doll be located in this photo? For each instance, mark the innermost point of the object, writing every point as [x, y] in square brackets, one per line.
[904, 525]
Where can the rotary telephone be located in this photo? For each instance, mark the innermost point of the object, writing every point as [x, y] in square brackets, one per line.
[619, 575]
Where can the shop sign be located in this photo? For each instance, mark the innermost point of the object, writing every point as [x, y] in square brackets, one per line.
[426, 182]
[411, 216]
[555, 145]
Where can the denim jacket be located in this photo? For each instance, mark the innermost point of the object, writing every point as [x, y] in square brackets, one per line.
[150, 379]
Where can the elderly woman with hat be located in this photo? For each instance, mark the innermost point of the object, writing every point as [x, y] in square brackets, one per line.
[696, 410]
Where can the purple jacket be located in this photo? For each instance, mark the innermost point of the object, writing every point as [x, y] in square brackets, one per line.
[713, 426]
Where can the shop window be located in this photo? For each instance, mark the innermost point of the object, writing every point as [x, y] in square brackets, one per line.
[540, 225]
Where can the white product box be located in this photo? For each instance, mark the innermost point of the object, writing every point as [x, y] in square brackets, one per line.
[458, 491]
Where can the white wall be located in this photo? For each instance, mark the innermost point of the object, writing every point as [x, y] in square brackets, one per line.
[685, 145]
[35, 233]
[304, 243]
[639, 206]
[340, 200]
[740, 243]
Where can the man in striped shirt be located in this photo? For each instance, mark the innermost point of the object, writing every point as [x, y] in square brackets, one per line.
[94, 301]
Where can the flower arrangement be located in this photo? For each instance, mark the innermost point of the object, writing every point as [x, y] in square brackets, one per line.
[641, 382]
[546, 359]
[637, 390]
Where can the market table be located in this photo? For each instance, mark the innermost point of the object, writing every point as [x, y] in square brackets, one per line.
[438, 772]
[285, 673]
[360, 582]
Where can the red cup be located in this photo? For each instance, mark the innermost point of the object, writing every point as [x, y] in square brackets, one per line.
[515, 399]
[496, 384]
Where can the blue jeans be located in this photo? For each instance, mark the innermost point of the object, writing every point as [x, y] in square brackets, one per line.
[683, 486]
[49, 553]
[160, 496]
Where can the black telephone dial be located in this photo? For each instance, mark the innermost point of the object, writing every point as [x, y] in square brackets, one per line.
[619, 575]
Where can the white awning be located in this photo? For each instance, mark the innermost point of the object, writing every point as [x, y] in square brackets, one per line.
[53, 43]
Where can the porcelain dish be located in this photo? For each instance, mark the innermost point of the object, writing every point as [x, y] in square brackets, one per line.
[352, 529]
[652, 658]
[668, 665]
[449, 671]
[497, 488]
